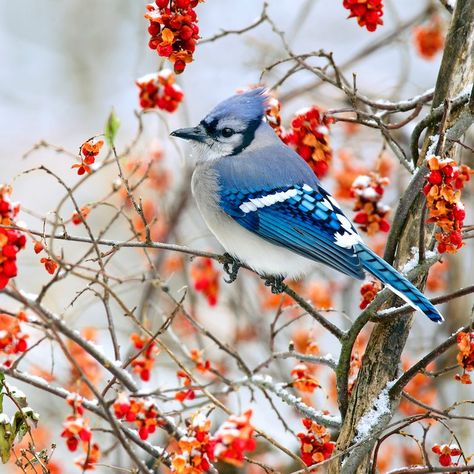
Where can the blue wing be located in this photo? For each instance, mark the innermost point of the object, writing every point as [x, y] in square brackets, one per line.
[299, 217]
[286, 206]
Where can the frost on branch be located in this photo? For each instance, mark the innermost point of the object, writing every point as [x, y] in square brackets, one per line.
[375, 416]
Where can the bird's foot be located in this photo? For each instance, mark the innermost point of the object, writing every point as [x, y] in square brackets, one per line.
[231, 267]
[275, 283]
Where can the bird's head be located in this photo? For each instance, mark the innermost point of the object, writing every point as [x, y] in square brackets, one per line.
[230, 127]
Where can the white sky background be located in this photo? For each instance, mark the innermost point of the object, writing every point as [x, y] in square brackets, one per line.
[64, 65]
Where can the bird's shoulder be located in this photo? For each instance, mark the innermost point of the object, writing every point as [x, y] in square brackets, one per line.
[272, 166]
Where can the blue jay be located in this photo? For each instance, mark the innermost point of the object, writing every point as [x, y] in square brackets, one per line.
[267, 208]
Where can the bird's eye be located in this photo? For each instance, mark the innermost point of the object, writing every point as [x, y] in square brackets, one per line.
[227, 132]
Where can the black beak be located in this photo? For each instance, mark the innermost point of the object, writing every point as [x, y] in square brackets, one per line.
[197, 133]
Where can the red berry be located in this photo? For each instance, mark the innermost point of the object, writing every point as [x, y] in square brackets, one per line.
[154, 42]
[435, 177]
[182, 3]
[459, 214]
[448, 170]
[164, 50]
[3, 281]
[154, 28]
[72, 443]
[361, 218]
[85, 435]
[179, 66]
[186, 33]
[21, 346]
[384, 225]
[9, 251]
[9, 269]
[145, 375]
[4, 207]
[143, 432]
[445, 460]
[21, 241]
[456, 238]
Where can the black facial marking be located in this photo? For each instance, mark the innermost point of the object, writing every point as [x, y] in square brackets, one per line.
[247, 136]
[210, 127]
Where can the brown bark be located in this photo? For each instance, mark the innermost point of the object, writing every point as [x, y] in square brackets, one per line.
[382, 357]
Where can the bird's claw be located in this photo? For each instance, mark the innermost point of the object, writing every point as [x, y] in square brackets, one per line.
[231, 267]
[275, 283]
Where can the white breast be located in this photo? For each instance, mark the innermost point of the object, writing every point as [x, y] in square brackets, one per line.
[264, 257]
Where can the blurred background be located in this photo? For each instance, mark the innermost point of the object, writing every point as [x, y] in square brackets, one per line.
[65, 65]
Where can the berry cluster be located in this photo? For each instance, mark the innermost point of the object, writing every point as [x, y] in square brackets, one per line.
[195, 450]
[445, 453]
[233, 438]
[76, 430]
[199, 448]
[12, 338]
[173, 30]
[142, 412]
[88, 153]
[315, 443]
[309, 137]
[11, 241]
[79, 217]
[76, 427]
[49, 264]
[368, 12]
[187, 393]
[158, 90]
[443, 199]
[144, 362]
[429, 39]
[465, 356]
[206, 279]
[303, 379]
[371, 214]
[369, 291]
[308, 134]
[202, 366]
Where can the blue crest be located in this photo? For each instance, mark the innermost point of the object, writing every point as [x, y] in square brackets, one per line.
[249, 106]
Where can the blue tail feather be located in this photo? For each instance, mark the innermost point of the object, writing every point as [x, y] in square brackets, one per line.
[379, 268]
